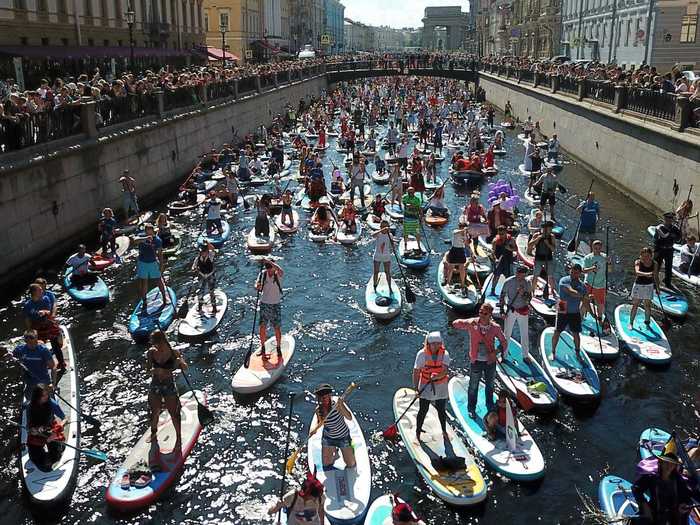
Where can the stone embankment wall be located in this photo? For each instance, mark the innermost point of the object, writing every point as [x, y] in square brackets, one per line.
[50, 198]
[639, 156]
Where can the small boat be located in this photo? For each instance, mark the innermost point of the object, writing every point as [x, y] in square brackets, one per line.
[263, 373]
[100, 262]
[96, 293]
[382, 303]
[616, 499]
[521, 242]
[157, 316]
[573, 376]
[527, 377]
[260, 244]
[608, 347]
[125, 497]
[547, 308]
[286, 228]
[347, 491]
[524, 463]
[436, 221]
[201, 322]
[673, 302]
[461, 485]
[55, 486]
[648, 343]
[409, 257]
[462, 299]
[217, 240]
[349, 238]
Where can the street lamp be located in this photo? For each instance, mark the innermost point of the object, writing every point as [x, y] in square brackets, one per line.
[130, 20]
[223, 29]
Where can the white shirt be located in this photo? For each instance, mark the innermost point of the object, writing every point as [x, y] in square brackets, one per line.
[457, 239]
[79, 264]
[214, 209]
[271, 293]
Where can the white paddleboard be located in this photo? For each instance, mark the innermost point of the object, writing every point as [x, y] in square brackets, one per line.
[262, 373]
[202, 322]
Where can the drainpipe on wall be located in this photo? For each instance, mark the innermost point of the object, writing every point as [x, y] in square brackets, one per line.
[647, 47]
[612, 32]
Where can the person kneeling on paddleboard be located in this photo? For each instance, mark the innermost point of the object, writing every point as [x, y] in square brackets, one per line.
[45, 428]
[79, 264]
[270, 287]
[431, 368]
[204, 267]
[347, 217]
[162, 359]
[303, 506]
[336, 434]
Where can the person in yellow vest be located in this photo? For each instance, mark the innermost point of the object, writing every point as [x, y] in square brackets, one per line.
[430, 377]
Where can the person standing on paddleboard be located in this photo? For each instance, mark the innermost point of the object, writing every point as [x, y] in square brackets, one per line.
[39, 316]
[690, 257]
[212, 214]
[382, 254]
[666, 235]
[162, 360]
[572, 295]
[483, 332]
[594, 267]
[107, 227]
[269, 284]
[543, 246]
[304, 506]
[517, 293]
[336, 434]
[149, 265]
[504, 249]
[646, 272]
[431, 367]
[412, 216]
[37, 361]
[548, 182]
[590, 214]
[129, 199]
[203, 266]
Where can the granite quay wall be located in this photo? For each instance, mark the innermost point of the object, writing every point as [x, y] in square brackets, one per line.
[638, 154]
[51, 194]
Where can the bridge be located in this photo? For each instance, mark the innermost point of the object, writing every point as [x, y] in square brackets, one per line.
[344, 71]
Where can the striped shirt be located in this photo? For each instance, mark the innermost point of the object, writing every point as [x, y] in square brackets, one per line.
[334, 426]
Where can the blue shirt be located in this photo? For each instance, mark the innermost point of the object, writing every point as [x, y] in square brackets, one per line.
[31, 308]
[108, 226]
[35, 361]
[589, 214]
[148, 249]
[573, 304]
[51, 297]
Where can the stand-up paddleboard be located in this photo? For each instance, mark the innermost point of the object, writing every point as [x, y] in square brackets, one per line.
[528, 377]
[374, 224]
[462, 299]
[263, 373]
[178, 207]
[531, 197]
[379, 512]
[433, 185]
[408, 256]
[435, 221]
[607, 348]
[652, 442]
[199, 323]
[165, 466]
[323, 237]
[527, 259]
[493, 298]
[616, 498]
[577, 256]
[395, 212]
[286, 228]
[381, 177]
[467, 176]
[573, 376]
[216, 239]
[673, 302]
[523, 463]
[689, 278]
[174, 247]
[547, 308]
[136, 222]
[480, 268]
[349, 238]
[381, 303]
[260, 244]
[464, 485]
[347, 491]
[101, 261]
[367, 189]
[55, 486]
[157, 316]
[95, 293]
[647, 343]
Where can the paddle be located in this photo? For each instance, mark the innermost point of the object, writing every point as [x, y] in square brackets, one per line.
[246, 359]
[410, 296]
[293, 458]
[204, 415]
[286, 453]
[391, 431]
[573, 243]
[666, 322]
[597, 325]
[184, 308]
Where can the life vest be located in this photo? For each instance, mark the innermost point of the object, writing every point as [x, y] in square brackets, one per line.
[474, 214]
[433, 365]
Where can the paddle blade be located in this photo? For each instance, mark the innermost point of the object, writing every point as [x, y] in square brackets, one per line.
[94, 454]
[390, 433]
[184, 309]
[563, 189]
[524, 400]
[292, 460]
[571, 247]
[246, 360]
[410, 296]
[205, 415]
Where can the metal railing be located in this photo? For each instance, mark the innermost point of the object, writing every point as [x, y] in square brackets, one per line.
[568, 85]
[246, 86]
[219, 90]
[527, 76]
[179, 98]
[650, 102]
[601, 90]
[28, 129]
[111, 111]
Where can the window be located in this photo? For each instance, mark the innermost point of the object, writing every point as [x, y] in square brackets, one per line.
[23, 40]
[88, 8]
[689, 29]
[20, 4]
[62, 7]
[206, 21]
[223, 20]
[627, 34]
[91, 42]
[106, 43]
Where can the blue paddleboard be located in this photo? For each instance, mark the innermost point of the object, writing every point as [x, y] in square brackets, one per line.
[156, 316]
[573, 376]
[674, 302]
[217, 240]
[615, 497]
[95, 293]
[647, 343]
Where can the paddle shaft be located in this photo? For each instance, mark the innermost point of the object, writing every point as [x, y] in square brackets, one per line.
[416, 397]
[409, 292]
[695, 252]
[286, 453]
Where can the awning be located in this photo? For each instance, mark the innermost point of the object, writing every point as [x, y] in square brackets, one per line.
[90, 52]
[217, 54]
[273, 48]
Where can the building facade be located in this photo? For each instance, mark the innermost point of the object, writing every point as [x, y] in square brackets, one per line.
[445, 28]
[359, 37]
[674, 35]
[535, 29]
[494, 21]
[276, 23]
[234, 25]
[334, 27]
[307, 23]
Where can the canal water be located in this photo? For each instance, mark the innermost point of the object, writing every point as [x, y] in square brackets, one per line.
[234, 469]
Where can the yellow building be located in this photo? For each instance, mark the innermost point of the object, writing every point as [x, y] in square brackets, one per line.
[233, 24]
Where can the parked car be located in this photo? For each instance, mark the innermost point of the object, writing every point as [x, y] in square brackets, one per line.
[692, 76]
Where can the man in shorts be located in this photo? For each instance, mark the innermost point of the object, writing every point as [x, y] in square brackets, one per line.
[594, 267]
[572, 293]
[412, 215]
[269, 284]
[149, 265]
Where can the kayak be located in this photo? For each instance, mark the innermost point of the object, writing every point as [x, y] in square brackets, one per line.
[286, 228]
[457, 297]
[260, 244]
[262, 373]
[647, 343]
[684, 276]
[572, 376]
[673, 302]
[408, 260]
[379, 512]
[96, 293]
[100, 262]
[349, 238]
[524, 463]
[390, 303]
[202, 322]
[547, 308]
[589, 339]
[55, 486]
[124, 496]
[521, 242]
[156, 316]
[462, 485]
[616, 498]
[217, 240]
[435, 221]
[347, 491]
[527, 377]
[173, 248]
[395, 212]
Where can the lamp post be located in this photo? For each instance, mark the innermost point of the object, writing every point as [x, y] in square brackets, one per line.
[223, 30]
[130, 20]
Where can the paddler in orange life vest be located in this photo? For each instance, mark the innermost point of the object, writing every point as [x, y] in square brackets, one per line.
[430, 378]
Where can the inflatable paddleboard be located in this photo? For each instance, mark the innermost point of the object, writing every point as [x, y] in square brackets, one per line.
[100, 261]
[616, 498]
[408, 260]
[648, 343]
[216, 239]
[96, 293]
[607, 348]
[286, 228]
[673, 302]
[263, 373]
[199, 323]
[462, 299]
[389, 302]
[260, 244]
[157, 316]
[349, 238]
